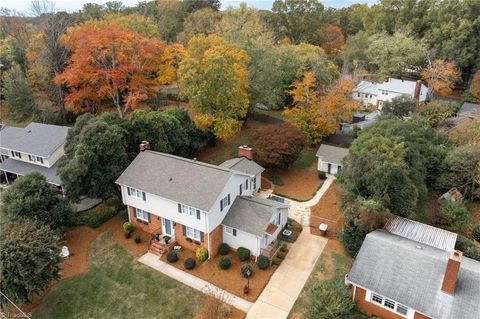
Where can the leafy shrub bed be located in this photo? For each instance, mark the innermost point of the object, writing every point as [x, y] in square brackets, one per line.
[476, 232]
[224, 249]
[224, 262]
[243, 253]
[263, 262]
[189, 263]
[95, 217]
[172, 257]
[201, 254]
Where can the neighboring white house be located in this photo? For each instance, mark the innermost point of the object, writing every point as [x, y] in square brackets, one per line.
[37, 147]
[330, 158]
[377, 93]
[195, 204]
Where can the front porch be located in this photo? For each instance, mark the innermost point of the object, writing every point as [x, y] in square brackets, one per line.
[161, 244]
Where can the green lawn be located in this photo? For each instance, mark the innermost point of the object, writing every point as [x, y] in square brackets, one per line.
[306, 159]
[117, 286]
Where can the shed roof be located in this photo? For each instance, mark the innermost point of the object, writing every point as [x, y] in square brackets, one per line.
[37, 138]
[332, 154]
[251, 214]
[422, 233]
[411, 273]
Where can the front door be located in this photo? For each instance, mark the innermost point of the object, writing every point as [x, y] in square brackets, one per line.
[167, 227]
[329, 168]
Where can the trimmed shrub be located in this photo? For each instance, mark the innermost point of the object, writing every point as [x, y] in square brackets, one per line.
[114, 202]
[189, 263]
[243, 253]
[224, 249]
[246, 270]
[172, 257]
[123, 215]
[322, 175]
[201, 253]
[284, 248]
[127, 233]
[476, 232]
[276, 261]
[95, 217]
[137, 239]
[224, 262]
[127, 226]
[263, 262]
[281, 255]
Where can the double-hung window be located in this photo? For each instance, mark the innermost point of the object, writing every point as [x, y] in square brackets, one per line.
[136, 193]
[254, 182]
[389, 304]
[188, 210]
[35, 159]
[231, 231]
[377, 298]
[192, 233]
[141, 214]
[16, 154]
[224, 202]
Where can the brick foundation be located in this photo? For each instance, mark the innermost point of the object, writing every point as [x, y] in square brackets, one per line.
[155, 223]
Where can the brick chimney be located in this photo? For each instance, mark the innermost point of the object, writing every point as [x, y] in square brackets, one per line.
[418, 87]
[245, 151]
[451, 272]
[144, 145]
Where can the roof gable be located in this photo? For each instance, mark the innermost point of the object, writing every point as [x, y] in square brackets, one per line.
[244, 165]
[332, 154]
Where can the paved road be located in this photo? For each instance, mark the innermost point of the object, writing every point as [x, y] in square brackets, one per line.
[281, 292]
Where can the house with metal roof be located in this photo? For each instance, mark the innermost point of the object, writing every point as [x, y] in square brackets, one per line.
[194, 204]
[372, 93]
[330, 158]
[37, 147]
[412, 270]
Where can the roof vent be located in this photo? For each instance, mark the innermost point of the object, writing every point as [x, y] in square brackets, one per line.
[29, 131]
[171, 179]
[419, 247]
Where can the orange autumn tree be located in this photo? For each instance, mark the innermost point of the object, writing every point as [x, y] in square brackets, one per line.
[441, 77]
[109, 62]
[475, 85]
[318, 116]
[330, 38]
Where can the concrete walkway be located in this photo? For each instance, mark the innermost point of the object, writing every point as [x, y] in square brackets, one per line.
[154, 262]
[281, 292]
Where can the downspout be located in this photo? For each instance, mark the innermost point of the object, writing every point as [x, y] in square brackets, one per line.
[354, 292]
[208, 237]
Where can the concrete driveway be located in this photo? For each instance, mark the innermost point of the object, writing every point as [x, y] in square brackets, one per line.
[281, 292]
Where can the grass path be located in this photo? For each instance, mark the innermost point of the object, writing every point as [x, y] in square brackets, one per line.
[117, 286]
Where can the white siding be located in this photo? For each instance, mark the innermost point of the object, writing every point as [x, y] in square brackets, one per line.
[59, 152]
[216, 216]
[242, 239]
[323, 167]
[165, 208]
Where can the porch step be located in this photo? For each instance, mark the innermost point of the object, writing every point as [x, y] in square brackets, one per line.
[157, 248]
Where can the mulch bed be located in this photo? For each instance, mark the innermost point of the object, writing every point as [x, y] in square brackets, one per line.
[299, 184]
[327, 211]
[230, 279]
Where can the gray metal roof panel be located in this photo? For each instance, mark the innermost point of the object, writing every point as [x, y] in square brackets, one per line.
[37, 138]
[332, 154]
[411, 274]
[422, 233]
[251, 214]
[179, 179]
[23, 168]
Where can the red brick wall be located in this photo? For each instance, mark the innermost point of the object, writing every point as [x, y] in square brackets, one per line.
[182, 240]
[216, 239]
[154, 224]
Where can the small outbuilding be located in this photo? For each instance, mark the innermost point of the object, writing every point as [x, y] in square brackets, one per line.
[330, 158]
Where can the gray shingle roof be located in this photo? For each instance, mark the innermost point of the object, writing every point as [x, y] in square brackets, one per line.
[422, 233]
[396, 268]
[251, 214]
[332, 154]
[179, 179]
[23, 168]
[243, 165]
[38, 139]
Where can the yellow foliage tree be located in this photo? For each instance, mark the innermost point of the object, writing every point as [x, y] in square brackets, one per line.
[38, 73]
[318, 116]
[214, 77]
[441, 77]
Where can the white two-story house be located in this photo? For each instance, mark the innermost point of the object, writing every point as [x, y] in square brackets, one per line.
[197, 204]
[37, 147]
[372, 93]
